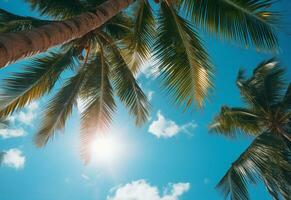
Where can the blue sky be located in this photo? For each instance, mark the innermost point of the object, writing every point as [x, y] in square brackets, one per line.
[172, 157]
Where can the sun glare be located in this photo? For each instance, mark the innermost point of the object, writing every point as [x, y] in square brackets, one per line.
[107, 149]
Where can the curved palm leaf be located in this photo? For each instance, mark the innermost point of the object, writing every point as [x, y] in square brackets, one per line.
[119, 26]
[37, 80]
[139, 42]
[128, 90]
[246, 21]
[184, 64]
[99, 103]
[265, 86]
[59, 109]
[232, 121]
[263, 159]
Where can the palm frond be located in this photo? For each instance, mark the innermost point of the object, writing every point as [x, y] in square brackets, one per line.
[14, 23]
[257, 162]
[286, 102]
[232, 121]
[140, 41]
[59, 9]
[97, 94]
[264, 88]
[119, 26]
[128, 90]
[182, 60]
[59, 109]
[36, 80]
[4, 123]
[246, 21]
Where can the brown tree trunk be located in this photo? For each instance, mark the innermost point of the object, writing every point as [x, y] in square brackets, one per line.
[14, 46]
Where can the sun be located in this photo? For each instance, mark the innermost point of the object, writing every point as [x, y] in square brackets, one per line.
[107, 149]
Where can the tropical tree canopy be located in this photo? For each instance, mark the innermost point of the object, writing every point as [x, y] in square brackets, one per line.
[106, 60]
[266, 117]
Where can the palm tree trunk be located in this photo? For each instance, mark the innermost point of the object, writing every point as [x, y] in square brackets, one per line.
[14, 46]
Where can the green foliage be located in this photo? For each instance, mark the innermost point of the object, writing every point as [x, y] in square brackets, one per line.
[231, 121]
[115, 52]
[128, 90]
[99, 103]
[249, 22]
[264, 159]
[139, 42]
[37, 79]
[266, 116]
[181, 58]
[59, 108]
[14, 23]
[265, 87]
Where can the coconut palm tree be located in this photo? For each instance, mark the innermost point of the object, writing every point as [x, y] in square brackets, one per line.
[105, 46]
[247, 21]
[267, 118]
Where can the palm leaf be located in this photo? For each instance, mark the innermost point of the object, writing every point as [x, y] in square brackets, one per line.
[128, 90]
[37, 80]
[258, 161]
[184, 64]
[286, 102]
[13, 23]
[97, 94]
[59, 109]
[232, 121]
[139, 42]
[264, 88]
[59, 9]
[119, 26]
[4, 123]
[246, 21]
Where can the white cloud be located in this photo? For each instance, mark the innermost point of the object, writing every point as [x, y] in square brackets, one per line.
[141, 190]
[11, 133]
[167, 128]
[13, 158]
[148, 70]
[27, 115]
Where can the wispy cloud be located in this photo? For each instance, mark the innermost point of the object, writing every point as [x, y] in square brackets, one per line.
[27, 115]
[142, 190]
[148, 70]
[12, 158]
[166, 128]
[11, 133]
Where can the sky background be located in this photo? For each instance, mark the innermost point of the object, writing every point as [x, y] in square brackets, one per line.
[172, 157]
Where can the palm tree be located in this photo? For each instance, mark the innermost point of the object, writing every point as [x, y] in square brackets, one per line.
[105, 46]
[249, 21]
[267, 118]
